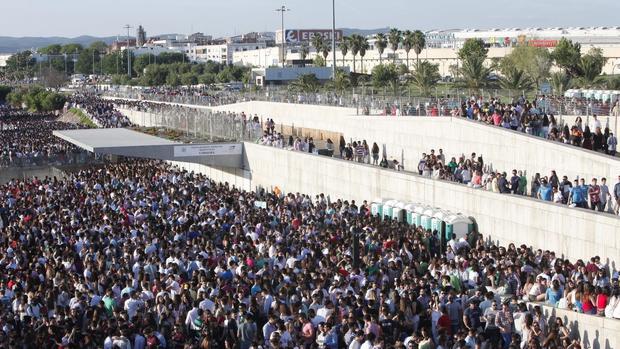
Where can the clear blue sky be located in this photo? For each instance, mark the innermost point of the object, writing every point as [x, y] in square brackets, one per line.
[226, 17]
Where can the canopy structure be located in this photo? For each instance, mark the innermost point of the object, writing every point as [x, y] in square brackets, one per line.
[129, 143]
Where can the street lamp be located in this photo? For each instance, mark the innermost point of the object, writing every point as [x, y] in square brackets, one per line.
[334, 38]
[127, 26]
[282, 10]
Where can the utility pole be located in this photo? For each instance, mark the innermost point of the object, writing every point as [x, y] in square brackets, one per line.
[334, 38]
[283, 43]
[127, 26]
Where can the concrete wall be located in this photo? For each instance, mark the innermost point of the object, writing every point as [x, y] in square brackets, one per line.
[9, 173]
[406, 138]
[592, 331]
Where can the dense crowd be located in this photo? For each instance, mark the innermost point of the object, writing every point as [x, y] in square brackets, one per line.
[26, 139]
[142, 255]
[473, 172]
[100, 110]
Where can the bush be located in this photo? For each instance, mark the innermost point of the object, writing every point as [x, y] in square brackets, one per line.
[36, 99]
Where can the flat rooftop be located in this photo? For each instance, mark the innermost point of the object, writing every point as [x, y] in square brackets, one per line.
[100, 138]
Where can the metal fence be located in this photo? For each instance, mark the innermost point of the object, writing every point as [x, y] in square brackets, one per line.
[74, 157]
[371, 101]
[197, 124]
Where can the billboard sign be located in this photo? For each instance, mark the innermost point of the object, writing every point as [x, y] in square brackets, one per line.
[207, 150]
[543, 43]
[295, 36]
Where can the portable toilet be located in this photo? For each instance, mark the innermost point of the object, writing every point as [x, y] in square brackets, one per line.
[427, 218]
[388, 208]
[398, 212]
[376, 207]
[438, 223]
[418, 212]
[459, 225]
[410, 214]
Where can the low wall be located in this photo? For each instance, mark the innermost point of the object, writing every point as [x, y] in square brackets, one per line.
[593, 331]
[9, 173]
[406, 138]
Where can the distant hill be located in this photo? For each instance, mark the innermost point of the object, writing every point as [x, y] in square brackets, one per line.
[11, 44]
[363, 32]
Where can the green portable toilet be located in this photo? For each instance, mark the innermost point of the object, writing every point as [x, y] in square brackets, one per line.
[399, 212]
[388, 208]
[438, 222]
[459, 225]
[410, 214]
[427, 218]
[418, 213]
[376, 207]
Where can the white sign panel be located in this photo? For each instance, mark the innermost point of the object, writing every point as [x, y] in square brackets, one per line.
[207, 149]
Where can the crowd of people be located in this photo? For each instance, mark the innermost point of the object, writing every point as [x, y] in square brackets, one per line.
[26, 139]
[139, 254]
[473, 172]
[101, 111]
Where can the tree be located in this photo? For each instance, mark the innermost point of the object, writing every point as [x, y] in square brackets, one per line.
[380, 44]
[4, 91]
[363, 47]
[54, 49]
[306, 83]
[535, 62]
[173, 79]
[407, 44]
[53, 78]
[394, 38]
[99, 46]
[155, 75]
[560, 82]
[384, 75]
[567, 55]
[424, 76]
[515, 79]
[189, 79]
[473, 73]
[473, 48]
[86, 58]
[341, 82]
[418, 43]
[318, 43]
[304, 50]
[71, 48]
[318, 61]
[344, 49]
[326, 49]
[355, 43]
[590, 68]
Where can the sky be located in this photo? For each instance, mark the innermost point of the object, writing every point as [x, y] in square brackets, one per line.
[72, 18]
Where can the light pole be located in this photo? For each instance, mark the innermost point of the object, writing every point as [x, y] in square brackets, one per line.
[334, 38]
[127, 26]
[282, 10]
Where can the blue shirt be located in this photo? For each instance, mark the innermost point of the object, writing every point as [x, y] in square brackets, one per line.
[545, 192]
[578, 193]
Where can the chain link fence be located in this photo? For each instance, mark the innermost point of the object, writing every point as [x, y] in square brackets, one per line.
[371, 101]
[195, 123]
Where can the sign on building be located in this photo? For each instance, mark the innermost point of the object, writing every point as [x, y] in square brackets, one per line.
[295, 36]
[207, 150]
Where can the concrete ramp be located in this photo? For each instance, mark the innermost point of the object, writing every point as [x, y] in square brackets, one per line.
[129, 143]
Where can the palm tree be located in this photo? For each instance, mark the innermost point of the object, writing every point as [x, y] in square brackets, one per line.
[394, 38]
[326, 49]
[344, 48]
[473, 73]
[318, 43]
[407, 44]
[303, 53]
[560, 82]
[363, 47]
[355, 42]
[516, 79]
[418, 44]
[381, 45]
[305, 83]
[341, 82]
[424, 76]
[591, 70]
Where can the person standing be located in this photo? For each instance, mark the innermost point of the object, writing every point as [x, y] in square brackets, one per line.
[617, 195]
[375, 154]
[594, 191]
[612, 143]
[604, 195]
